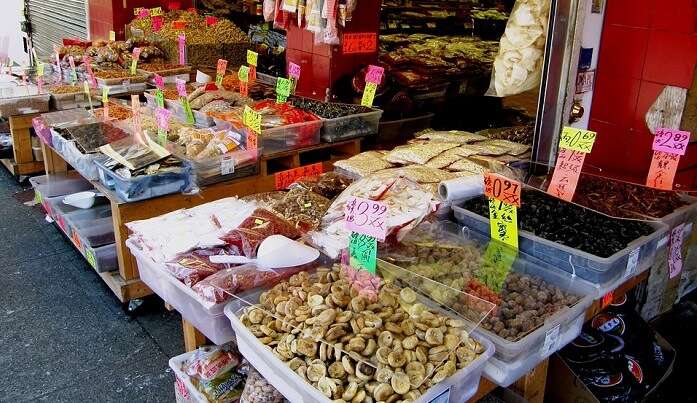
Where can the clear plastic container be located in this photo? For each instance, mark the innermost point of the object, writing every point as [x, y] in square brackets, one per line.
[189, 392]
[347, 127]
[145, 186]
[95, 226]
[60, 119]
[258, 390]
[59, 184]
[83, 163]
[210, 170]
[208, 318]
[597, 270]
[682, 214]
[74, 100]
[458, 388]
[103, 259]
[22, 100]
[565, 319]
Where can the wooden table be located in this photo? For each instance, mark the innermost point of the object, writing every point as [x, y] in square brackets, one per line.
[125, 282]
[23, 162]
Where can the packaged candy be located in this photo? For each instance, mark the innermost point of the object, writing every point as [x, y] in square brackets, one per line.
[216, 372]
[257, 227]
[194, 266]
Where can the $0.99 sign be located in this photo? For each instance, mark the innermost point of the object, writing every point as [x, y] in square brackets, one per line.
[367, 217]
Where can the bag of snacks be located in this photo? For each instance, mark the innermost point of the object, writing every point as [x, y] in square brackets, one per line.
[363, 164]
[194, 266]
[258, 390]
[303, 208]
[217, 372]
[329, 184]
[257, 227]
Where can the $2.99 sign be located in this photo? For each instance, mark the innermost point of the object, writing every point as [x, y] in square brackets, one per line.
[366, 217]
[501, 188]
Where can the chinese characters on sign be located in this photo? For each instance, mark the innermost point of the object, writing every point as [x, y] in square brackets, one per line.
[366, 217]
[577, 139]
[671, 141]
[675, 251]
[662, 170]
[503, 219]
[501, 188]
[363, 251]
[353, 43]
[566, 173]
[284, 179]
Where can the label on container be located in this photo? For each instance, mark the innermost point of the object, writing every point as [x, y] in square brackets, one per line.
[134, 62]
[220, 72]
[363, 252]
[252, 119]
[182, 49]
[671, 141]
[369, 94]
[112, 36]
[551, 340]
[89, 255]
[502, 188]
[283, 88]
[285, 178]
[577, 139]
[662, 170]
[566, 174]
[354, 43]
[503, 222]
[227, 165]
[632, 263]
[675, 251]
[252, 58]
[366, 216]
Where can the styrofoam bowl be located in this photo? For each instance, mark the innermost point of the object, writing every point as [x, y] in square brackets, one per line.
[83, 200]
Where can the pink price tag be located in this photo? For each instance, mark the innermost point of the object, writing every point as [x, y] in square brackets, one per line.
[71, 60]
[366, 217]
[294, 71]
[675, 251]
[374, 74]
[144, 13]
[40, 84]
[182, 49]
[566, 174]
[136, 53]
[162, 116]
[159, 82]
[671, 141]
[181, 87]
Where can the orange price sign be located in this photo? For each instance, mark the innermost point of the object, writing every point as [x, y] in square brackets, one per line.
[606, 301]
[566, 173]
[662, 171]
[501, 188]
[354, 43]
[284, 179]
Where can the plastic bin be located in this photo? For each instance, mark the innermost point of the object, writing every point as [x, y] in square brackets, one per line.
[458, 388]
[83, 163]
[186, 388]
[59, 185]
[398, 131]
[210, 170]
[346, 127]
[597, 270]
[104, 258]
[145, 186]
[201, 119]
[208, 318]
[74, 100]
[683, 214]
[283, 138]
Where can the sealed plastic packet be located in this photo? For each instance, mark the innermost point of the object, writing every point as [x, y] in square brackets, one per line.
[216, 372]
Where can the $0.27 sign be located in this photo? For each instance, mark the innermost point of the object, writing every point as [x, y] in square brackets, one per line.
[366, 217]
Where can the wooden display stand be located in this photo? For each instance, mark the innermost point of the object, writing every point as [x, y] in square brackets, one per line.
[125, 283]
[23, 162]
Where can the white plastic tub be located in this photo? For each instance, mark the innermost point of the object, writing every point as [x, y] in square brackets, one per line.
[208, 318]
[457, 388]
[191, 394]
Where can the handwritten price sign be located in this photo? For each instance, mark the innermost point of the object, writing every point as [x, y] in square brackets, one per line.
[503, 219]
[502, 188]
[286, 178]
[566, 174]
[220, 72]
[252, 57]
[366, 216]
[283, 88]
[671, 141]
[577, 139]
[294, 71]
[662, 170]
[354, 43]
[252, 119]
[363, 251]
[374, 74]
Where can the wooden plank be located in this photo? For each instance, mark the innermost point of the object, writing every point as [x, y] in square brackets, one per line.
[21, 138]
[10, 165]
[29, 168]
[53, 163]
[532, 386]
[193, 339]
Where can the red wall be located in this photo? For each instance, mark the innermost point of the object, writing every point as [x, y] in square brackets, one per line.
[645, 45]
[111, 15]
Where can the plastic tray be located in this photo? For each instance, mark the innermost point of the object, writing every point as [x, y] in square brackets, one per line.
[201, 119]
[208, 318]
[458, 388]
[284, 138]
[59, 184]
[176, 364]
[145, 186]
[74, 100]
[17, 103]
[209, 171]
[83, 163]
[589, 267]
[346, 127]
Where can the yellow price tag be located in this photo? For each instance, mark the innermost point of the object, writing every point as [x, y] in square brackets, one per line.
[503, 219]
[369, 94]
[86, 87]
[90, 257]
[577, 139]
[243, 73]
[156, 11]
[112, 36]
[105, 94]
[37, 197]
[252, 119]
[137, 10]
[40, 69]
[252, 57]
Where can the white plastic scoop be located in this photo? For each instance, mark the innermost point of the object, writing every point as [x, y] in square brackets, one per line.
[275, 252]
[83, 200]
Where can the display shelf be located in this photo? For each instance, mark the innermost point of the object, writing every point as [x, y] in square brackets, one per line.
[23, 162]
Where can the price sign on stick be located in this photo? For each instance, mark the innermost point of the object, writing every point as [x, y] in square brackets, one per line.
[283, 88]
[577, 139]
[294, 71]
[502, 188]
[366, 217]
[157, 23]
[90, 73]
[86, 89]
[566, 174]
[73, 70]
[105, 101]
[159, 95]
[363, 250]
[671, 141]
[134, 62]
[220, 72]
[252, 119]
[252, 58]
[503, 219]
[243, 75]
[354, 43]
[40, 77]
[373, 77]
[156, 11]
[162, 116]
[286, 178]
[112, 36]
[137, 128]
[181, 90]
[662, 170]
[182, 49]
